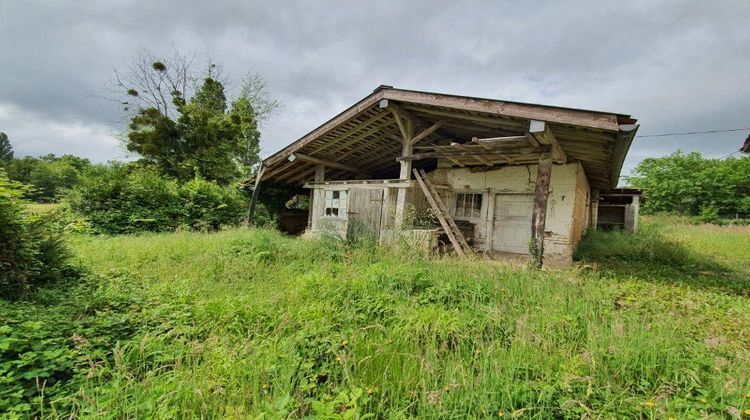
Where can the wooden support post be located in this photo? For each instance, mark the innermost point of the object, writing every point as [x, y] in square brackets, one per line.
[405, 173]
[318, 202]
[310, 207]
[635, 206]
[594, 216]
[539, 212]
[385, 214]
[254, 199]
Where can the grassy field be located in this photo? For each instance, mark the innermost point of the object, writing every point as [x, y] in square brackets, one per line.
[251, 324]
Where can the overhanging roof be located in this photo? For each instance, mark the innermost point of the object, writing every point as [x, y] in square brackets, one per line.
[364, 140]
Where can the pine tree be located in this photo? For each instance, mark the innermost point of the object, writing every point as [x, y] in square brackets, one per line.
[6, 150]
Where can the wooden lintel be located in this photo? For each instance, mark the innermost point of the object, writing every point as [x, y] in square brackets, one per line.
[325, 162]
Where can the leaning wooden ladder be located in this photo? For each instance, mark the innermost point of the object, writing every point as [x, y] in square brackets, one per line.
[446, 221]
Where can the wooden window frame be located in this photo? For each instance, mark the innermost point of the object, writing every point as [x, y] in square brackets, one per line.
[476, 213]
[336, 203]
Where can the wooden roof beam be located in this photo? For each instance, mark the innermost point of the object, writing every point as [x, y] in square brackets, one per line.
[403, 118]
[540, 131]
[325, 162]
[467, 153]
[426, 132]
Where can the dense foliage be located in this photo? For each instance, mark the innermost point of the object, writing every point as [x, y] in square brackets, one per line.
[206, 138]
[47, 176]
[690, 184]
[119, 198]
[32, 252]
[248, 323]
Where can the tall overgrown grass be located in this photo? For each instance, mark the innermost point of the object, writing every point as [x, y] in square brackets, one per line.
[248, 323]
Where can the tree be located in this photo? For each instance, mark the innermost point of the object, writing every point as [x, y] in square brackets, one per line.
[184, 128]
[6, 150]
[205, 139]
[47, 175]
[690, 184]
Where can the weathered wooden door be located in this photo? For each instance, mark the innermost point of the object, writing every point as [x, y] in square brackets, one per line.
[364, 212]
[511, 229]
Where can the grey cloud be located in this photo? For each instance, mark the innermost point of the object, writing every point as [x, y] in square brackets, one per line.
[675, 65]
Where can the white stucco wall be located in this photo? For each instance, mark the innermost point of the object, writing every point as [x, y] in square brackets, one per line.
[566, 205]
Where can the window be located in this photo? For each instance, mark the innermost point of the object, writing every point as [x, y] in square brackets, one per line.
[468, 205]
[336, 204]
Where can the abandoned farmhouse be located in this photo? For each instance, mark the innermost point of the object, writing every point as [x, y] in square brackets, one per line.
[504, 179]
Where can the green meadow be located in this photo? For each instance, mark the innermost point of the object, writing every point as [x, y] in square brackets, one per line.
[248, 323]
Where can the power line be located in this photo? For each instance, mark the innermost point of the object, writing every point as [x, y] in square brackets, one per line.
[689, 133]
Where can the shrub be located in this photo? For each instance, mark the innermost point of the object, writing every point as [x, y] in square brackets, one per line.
[32, 251]
[48, 175]
[689, 184]
[208, 206]
[648, 245]
[121, 199]
[116, 199]
[36, 359]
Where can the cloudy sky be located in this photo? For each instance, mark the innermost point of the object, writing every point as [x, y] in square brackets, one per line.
[675, 65]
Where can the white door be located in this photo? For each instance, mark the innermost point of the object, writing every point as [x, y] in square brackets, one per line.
[512, 223]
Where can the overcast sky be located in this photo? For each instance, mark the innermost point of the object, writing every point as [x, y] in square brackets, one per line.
[675, 65]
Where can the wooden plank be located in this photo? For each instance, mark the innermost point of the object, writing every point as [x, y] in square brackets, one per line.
[325, 162]
[539, 212]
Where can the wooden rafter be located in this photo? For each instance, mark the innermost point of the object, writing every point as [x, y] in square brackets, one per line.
[426, 132]
[326, 162]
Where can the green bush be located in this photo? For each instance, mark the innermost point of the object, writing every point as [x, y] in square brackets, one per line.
[208, 205]
[121, 199]
[37, 361]
[116, 199]
[689, 184]
[32, 251]
[649, 245]
[47, 176]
